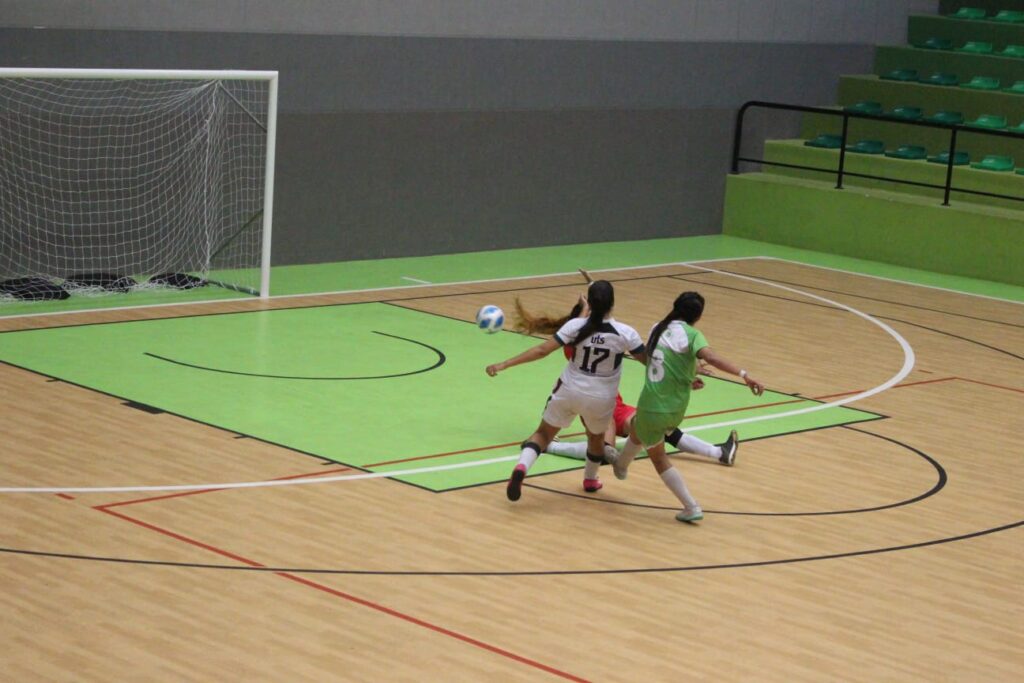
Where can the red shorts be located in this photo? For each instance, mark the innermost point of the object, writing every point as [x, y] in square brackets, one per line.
[622, 415]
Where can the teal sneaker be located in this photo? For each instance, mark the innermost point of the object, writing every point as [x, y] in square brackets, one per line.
[690, 515]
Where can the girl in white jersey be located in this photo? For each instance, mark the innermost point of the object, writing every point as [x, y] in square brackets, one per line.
[674, 348]
[587, 386]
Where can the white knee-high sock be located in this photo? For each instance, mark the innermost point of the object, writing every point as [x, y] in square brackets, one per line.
[675, 483]
[528, 456]
[570, 449]
[691, 444]
[629, 451]
[591, 469]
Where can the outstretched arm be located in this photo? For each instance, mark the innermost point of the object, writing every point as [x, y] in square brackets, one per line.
[706, 354]
[536, 353]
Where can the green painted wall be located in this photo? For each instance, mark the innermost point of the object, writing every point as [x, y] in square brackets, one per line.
[877, 225]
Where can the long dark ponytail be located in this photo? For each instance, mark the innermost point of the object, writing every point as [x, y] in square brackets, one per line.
[601, 298]
[687, 307]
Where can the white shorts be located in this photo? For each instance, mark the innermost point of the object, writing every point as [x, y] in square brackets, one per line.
[565, 404]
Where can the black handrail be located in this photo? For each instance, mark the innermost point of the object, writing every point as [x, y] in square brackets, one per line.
[840, 172]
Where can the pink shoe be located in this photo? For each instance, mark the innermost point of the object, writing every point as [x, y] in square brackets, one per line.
[515, 482]
[591, 485]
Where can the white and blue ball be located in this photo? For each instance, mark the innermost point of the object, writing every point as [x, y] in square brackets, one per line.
[490, 319]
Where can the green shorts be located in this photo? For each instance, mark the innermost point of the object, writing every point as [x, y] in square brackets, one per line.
[651, 427]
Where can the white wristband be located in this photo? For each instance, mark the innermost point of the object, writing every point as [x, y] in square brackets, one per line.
[743, 374]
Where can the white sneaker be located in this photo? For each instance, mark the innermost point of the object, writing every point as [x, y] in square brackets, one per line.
[611, 455]
[620, 469]
[690, 515]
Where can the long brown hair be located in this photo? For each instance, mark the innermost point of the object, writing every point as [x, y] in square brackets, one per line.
[543, 324]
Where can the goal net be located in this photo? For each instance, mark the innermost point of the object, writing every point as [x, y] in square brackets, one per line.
[136, 174]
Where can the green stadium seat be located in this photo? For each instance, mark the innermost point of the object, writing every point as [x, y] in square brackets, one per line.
[865, 107]
[905, 75]
[977, 47]
[994, 162]
[905, 113]
[912, 152]
[826, 141]
[982, 83]
[1009, 16]
[936, 44]
[959, 159]
[972, 13]
[940, 78]
[1020, 171]
[988, 121]
[1016, 88]
[867, 147]
[951, 117]
[1017, 129]
[1012, 51]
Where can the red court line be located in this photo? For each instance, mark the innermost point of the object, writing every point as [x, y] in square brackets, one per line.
[197, 492]
[64, 496]
[897, 386]
[737, 410]
[997, 386]
[179, 537]
[406, 617]
[441, 455]
[689, 417]
[340, 594]
[432, 627]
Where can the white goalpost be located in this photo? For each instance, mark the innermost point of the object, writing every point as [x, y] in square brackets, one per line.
[114, 179]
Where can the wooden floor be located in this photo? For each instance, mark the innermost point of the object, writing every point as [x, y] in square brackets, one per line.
[885, 551]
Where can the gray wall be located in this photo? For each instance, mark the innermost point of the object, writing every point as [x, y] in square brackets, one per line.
[396, 145]
[810, 21]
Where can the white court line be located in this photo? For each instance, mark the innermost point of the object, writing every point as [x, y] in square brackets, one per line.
[908, 364]
[414, 279]
[372, 289]
[892, 279]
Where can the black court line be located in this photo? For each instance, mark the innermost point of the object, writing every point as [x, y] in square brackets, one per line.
[152, 410]
[842, 310]
[441, 358]
[557, 572]
[955, 336]
[124, 400]
[870, 298]
[577, 572]
[941, 479]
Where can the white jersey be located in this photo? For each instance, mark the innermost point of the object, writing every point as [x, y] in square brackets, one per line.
[596, 366]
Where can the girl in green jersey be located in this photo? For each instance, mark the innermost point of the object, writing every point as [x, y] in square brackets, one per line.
[674, 348]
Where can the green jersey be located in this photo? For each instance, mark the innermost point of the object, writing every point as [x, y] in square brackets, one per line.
[671, 369]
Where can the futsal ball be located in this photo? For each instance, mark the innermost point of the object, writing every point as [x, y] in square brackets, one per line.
[490, 319]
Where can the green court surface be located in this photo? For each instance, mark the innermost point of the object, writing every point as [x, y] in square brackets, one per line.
[375, 386]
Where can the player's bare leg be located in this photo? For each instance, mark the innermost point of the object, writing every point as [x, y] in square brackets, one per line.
[532, 448]
[691, 511]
